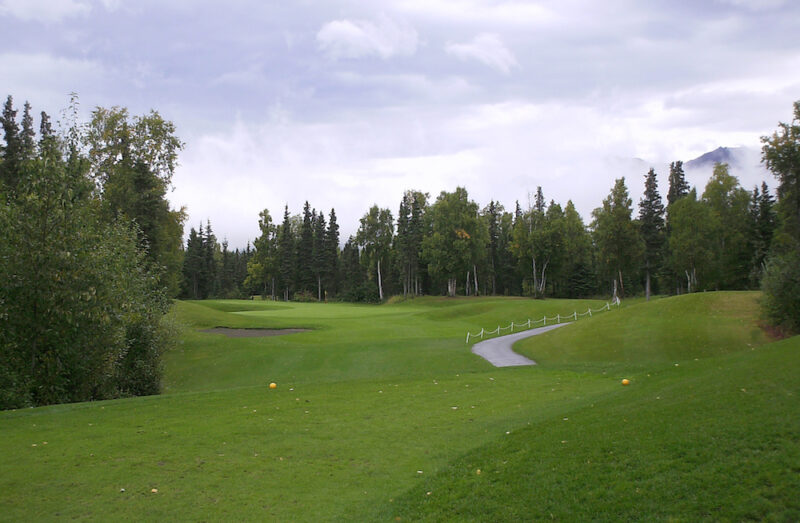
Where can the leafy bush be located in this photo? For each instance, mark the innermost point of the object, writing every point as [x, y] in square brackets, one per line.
[781, 287]
[82, 306]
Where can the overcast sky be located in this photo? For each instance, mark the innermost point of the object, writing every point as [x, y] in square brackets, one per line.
[347, 104]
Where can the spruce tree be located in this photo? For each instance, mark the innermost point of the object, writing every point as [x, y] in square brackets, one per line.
[304, 253]
[319, 255]
[286, 255]
[651, 228]
[678, 186]
[28, 135]
[331, 247]
[10, 168]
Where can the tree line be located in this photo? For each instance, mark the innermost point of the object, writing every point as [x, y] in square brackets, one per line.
[449, 246]
[90, 253]
[725, 237]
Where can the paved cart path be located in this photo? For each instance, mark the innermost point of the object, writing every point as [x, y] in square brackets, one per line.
[497, 351]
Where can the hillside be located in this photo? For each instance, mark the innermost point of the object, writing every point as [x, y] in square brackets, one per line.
[382, 412]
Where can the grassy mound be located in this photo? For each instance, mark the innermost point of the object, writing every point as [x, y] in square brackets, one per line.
[714, 439]
[378, 406]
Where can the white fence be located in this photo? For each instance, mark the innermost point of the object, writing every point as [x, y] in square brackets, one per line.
[544, 321]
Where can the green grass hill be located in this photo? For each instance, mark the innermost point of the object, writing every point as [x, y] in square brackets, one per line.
[382, 413]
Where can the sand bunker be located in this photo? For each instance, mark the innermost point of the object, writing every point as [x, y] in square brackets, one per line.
[252, 333]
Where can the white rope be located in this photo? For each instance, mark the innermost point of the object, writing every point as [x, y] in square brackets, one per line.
[557, 318]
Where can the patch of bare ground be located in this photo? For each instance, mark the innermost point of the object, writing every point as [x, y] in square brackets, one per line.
[252, 333]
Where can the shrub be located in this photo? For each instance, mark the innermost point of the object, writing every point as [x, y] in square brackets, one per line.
[781, 287]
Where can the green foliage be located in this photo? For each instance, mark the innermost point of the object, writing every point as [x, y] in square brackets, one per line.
[374, 236]
[132, 160]
[728, 202]
[457, 240]
[82, 307]
[651, 228]
[781, 154]
[83, 289]
[690, 239]
[678, 186]
[781, 287]
[619, 246]
[382, 412]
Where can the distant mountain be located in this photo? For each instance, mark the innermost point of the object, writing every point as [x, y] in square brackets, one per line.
[743, 162]
[729, 155]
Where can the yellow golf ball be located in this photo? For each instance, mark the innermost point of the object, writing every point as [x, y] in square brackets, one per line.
[273, 385]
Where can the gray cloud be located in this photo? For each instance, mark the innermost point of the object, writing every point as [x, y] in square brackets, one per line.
[358, 38]
[486, 48]
[349, 103]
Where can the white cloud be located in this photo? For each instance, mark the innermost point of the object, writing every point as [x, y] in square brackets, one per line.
[481, 11]
[47, 80]
[359, 38]
[486, 48]
[44, 10]
[756, 5]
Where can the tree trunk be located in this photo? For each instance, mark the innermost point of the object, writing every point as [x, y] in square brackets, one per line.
[621, 285]
[475, 277]
[380, 286]
[543, 279]
[615, 290]
[319, 288]
[647, 285]
[466, 285]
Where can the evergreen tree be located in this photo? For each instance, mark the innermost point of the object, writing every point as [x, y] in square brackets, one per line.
[651, 228]
[408, 241]
[28, 135]
[81, 310]
[132, 161]
[10, 168]
[678, 187]
[763, 228]
[331, 247]
[305, 280]
[578, 255]
[353, 275]
[286, 255]
[319, 255]
[492, 214]
[781, 282]
[193, 270]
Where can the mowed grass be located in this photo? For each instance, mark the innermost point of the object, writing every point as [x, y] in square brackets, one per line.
[382, 412]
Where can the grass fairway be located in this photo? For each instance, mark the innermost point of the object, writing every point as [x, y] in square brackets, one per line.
[382, 412]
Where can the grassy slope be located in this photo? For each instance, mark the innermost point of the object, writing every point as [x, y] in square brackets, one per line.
[716, 439]
[416, 339]
[374, 406]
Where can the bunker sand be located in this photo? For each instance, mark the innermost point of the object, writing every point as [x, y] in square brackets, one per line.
[252, 333]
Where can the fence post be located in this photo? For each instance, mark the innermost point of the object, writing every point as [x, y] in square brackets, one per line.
[558, 318]
[575, 315]
[529, 323]
[544, 321]
[590, 312]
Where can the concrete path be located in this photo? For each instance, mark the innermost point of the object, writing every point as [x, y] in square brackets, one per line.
[497, 351]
